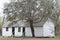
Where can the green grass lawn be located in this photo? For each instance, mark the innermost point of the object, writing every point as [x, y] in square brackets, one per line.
[10, 38]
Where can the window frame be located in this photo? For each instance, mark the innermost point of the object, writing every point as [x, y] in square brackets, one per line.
[19, 29]
[6, 28]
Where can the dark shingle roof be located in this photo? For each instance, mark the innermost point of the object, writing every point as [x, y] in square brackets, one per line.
[23, 23]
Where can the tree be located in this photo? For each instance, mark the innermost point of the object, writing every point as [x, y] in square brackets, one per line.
[33, 11]
[1, 18]
[56, 17]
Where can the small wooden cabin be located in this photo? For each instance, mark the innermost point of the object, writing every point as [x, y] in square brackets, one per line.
[43, 29]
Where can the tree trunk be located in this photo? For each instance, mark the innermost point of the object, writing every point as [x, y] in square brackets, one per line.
[32, 28]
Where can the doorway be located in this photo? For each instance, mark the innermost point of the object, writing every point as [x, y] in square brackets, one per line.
[13, 31]
[23, 31]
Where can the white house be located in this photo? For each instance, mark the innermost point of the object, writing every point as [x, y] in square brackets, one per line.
[43, 29]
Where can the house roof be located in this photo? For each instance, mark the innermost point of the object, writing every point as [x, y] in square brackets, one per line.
[23, 23]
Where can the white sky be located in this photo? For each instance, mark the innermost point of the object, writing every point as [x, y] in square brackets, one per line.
[2, 6]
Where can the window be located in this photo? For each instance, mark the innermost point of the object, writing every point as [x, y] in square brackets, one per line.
[19, 29]
[6, 28]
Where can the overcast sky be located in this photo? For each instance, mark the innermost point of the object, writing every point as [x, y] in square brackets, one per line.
[2, 6]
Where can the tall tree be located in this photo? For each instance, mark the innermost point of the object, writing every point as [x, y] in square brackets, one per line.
[33, 11]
